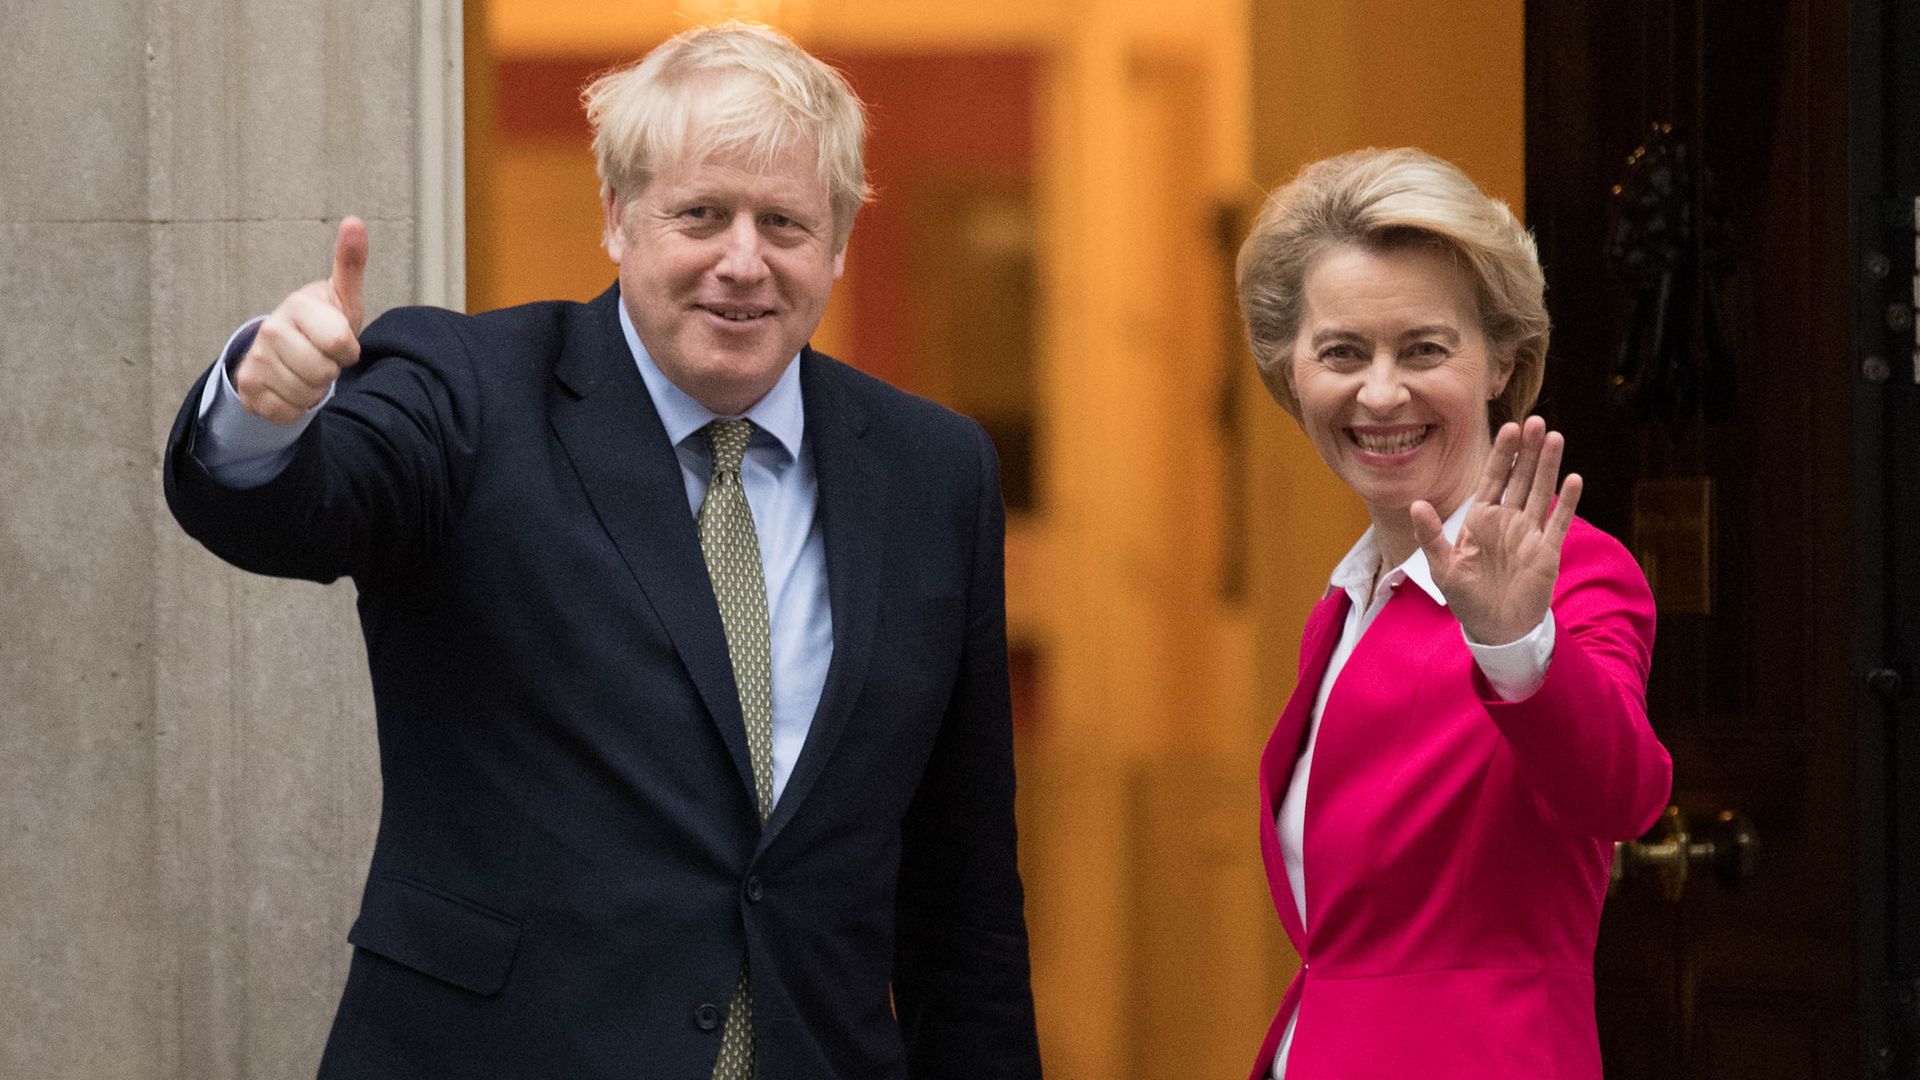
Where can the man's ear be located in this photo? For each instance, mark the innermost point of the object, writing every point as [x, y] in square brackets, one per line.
[613, 235]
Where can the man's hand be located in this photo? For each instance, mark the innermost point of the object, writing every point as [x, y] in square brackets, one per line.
[1498, 575]
[313, 334]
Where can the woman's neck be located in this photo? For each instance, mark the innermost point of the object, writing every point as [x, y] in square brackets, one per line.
[1393, 535]
[1393, 539]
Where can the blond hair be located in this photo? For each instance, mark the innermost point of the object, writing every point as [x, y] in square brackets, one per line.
[737, 88]
[1382, 199]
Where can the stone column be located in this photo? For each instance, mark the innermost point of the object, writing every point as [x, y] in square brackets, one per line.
[188, 779]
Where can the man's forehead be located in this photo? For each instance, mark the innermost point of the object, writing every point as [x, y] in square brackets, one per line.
[793, 173]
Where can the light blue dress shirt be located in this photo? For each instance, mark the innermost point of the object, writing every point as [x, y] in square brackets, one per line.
[240, 450]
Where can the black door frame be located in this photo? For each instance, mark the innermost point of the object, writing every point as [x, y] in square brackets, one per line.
[1884, 96]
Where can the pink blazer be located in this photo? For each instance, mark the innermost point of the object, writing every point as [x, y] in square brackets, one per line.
[1457, 846]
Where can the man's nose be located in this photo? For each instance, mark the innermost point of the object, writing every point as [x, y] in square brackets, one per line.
[743, 257]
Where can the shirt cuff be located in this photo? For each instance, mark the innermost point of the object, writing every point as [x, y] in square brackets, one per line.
[1518, 668]
[237, 448]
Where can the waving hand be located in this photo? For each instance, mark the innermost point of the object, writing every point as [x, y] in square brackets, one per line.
[1498, 574]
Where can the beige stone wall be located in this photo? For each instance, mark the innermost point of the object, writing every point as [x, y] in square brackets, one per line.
[188, 785]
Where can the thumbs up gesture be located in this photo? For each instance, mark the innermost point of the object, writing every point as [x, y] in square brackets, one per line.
[302, 347]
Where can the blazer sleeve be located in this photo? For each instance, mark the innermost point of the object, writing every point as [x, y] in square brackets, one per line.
[374, 480]
[961, 983]
[1582, 741]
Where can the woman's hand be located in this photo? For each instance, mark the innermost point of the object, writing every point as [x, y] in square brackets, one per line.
[1498, 574]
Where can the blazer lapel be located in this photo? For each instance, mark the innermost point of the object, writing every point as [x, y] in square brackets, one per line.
[1283, 747]
[852, 522]
[604, 417]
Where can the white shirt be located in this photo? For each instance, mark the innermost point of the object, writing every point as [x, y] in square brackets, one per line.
[1514, 670]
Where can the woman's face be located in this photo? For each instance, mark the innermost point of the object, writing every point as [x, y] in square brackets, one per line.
[1393, 374]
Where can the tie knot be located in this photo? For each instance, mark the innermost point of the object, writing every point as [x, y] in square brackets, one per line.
[727, 439]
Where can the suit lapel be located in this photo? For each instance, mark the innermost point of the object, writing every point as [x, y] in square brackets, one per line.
[1317, 641]
[851, 517]
[603, 416]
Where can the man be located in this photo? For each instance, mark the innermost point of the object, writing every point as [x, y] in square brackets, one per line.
[687, 642]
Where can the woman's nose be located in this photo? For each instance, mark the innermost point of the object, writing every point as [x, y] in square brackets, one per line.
[1382, 391]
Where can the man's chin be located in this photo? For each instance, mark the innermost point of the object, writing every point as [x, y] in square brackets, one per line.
[730, 388]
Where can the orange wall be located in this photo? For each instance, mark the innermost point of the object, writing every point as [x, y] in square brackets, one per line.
[932, 115]
[1446, 77]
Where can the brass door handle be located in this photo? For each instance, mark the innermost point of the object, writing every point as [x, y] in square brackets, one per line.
[1672, 850]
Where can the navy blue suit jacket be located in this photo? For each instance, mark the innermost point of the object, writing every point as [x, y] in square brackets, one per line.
[569, 864]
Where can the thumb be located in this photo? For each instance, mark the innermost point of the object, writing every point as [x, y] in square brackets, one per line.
[348, 280]
[1429, 534]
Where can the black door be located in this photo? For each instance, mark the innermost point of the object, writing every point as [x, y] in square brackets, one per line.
[1717, 192]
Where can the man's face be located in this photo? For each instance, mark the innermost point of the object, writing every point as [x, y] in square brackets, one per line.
[725, 271]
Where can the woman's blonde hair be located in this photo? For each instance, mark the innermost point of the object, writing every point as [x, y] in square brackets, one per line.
[737, 88]
[1381, 199]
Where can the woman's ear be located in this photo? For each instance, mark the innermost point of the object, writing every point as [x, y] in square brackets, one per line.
[1501, 371]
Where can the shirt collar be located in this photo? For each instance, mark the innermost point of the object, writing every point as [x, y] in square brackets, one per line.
[781, 413]
[1355, 572]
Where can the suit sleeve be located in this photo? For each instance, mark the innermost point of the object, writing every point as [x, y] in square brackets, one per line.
[961, 984]
[374, 479]
[1582, 741]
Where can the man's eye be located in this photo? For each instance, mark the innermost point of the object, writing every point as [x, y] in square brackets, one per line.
[698, 213]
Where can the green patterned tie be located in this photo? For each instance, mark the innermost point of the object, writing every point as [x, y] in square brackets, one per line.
[732, 550]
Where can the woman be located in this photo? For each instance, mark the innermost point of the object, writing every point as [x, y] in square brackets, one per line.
[1468, 735]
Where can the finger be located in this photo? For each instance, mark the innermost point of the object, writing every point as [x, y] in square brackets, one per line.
[328, 330]
[1499, 463]
[284, 340]
[263, 402]
[347, 282]
[1430, 534]
[1563, 511]
[299, 374]
[263, 372]
[1533, 433]
[1546, 476]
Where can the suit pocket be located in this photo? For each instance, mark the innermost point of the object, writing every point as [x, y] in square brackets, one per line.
[436, 934]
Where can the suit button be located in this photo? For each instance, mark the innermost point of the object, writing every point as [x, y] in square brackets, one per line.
[706, 1018]
[754, 891]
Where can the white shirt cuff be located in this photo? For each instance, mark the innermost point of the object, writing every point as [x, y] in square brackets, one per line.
[1515, 670]
[237, 448]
